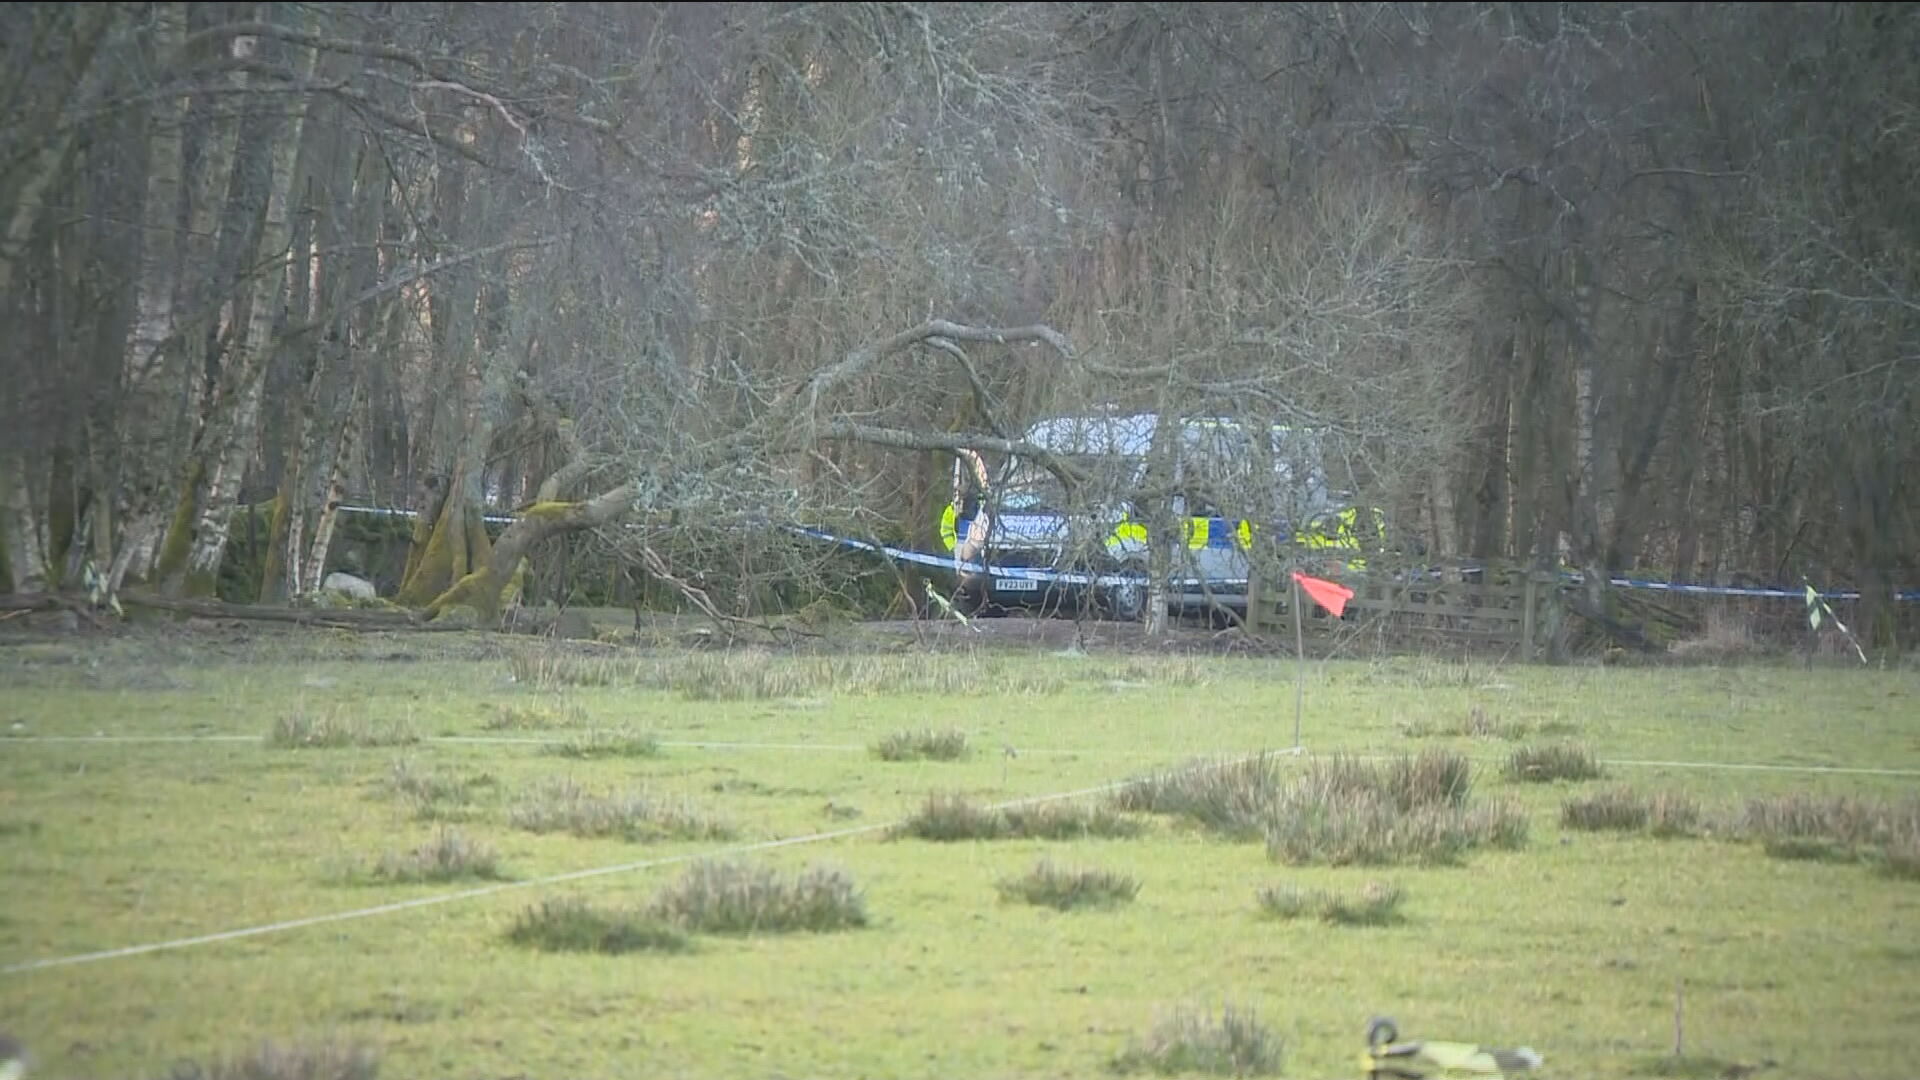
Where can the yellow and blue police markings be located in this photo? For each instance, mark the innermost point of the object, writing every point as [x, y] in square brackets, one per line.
[1127, 534]
[1336, 537]
[950, 527]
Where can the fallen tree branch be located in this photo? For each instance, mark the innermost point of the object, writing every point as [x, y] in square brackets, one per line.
[901, 439]
[337, 619]
[25, 602]
[698, 597]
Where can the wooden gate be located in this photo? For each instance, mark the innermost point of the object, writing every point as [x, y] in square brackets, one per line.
[1487, 605]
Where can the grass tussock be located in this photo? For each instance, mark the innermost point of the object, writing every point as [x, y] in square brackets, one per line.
[511, 716]
[1067, 820]
[1901, 858]
[757, 675]
[435, 796]
[1613, 810]
[1233, 797]
[731, 897]
[1542, 763]
[1663, 813]
[1177, 671]
[608, 743]
[1364, 830]
[308, 728]
[948, 817]
[1343, 811]
[450, 856]
[1671, 813]
[1724, 638]
[1235, 1043]
[1376, 904]
[1885, 832]
[1480, 724]
[1066, 888]
[1339, 810]
[563, 805]
[288, 1061]
[1423, 672]
[572, 925]
[923, 745]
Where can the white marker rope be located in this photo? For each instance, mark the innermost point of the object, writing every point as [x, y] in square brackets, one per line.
[551, 879]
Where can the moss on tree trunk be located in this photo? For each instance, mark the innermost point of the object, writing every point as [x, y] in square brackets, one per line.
[455, 546]
[172, 558]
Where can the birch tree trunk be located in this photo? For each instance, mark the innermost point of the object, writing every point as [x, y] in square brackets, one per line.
[151, 371]
[336, 490]
[232, 435]
[26, 552]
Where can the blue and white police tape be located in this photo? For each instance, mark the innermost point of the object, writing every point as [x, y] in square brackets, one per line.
[947, 562]
[1034, 573]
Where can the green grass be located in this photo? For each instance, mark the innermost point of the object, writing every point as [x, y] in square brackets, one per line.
[1571, 942]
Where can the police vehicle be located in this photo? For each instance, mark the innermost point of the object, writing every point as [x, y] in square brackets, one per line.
[1017, 542]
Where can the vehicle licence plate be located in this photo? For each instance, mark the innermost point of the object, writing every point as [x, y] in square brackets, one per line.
[1016, 584]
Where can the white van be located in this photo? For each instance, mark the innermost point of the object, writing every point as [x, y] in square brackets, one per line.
[1013, 518]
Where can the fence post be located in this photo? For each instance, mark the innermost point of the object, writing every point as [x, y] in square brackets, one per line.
[1526, 618]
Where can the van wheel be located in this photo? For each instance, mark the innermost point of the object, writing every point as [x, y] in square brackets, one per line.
[1126, 602]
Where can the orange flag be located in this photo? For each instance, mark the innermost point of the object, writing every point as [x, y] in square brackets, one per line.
[1328, 594]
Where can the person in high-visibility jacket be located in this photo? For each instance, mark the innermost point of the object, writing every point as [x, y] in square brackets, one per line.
[1337, 538]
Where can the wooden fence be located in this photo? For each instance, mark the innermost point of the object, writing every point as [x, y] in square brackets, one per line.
[1490, 606]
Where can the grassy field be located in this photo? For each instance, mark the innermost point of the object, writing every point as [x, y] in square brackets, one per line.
[160, 787]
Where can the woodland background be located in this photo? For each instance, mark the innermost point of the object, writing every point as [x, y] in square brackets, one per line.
[1629, 288]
